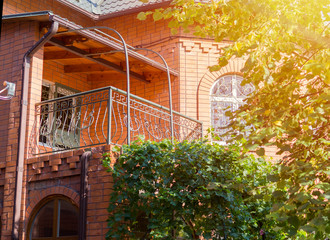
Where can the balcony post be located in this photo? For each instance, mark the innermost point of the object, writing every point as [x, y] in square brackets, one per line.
[109, 116]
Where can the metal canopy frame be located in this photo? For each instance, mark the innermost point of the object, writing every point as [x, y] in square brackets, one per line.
[101, 61]
[115, 67]
[169, 87]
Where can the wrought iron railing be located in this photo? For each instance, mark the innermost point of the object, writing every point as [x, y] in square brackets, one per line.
[83, 120]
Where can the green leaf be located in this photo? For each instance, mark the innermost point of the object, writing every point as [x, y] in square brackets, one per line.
[261, 151]
[142, 16]
[302, 196]
[214, 68]
[278, 194]
[157, 16]
[308, 229]
[273, 177]
[174, 31]
[294, 221]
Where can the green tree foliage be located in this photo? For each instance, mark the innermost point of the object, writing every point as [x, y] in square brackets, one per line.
[189, 190]
[286, 47]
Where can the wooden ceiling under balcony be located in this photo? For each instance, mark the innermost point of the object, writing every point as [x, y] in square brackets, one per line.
[81, 54]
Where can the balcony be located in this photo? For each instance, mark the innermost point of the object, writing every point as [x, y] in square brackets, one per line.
[99, 117]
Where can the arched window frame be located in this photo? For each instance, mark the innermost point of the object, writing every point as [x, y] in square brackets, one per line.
[37, 209]
[226, 94]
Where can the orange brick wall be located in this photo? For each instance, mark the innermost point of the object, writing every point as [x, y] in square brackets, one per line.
[12, 49]
[16, 39]
[155, 91]
[54, 72]
[101, 184]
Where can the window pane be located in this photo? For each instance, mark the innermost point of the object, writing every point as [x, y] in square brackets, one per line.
[218, 117]
[44, 116]
[227, 94]
[43, 222]
[67, 134]
[223, 87]
[68, 219]
[245, 90]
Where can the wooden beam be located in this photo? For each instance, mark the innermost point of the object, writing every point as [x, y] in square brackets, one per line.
[59, 55]
[86, 68]
[63, 55]
[97, 60]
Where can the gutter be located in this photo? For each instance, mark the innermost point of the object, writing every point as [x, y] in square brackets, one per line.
[34, 16]
[22, 127]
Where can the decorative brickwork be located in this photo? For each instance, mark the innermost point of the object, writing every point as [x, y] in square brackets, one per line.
[37, 196]
[55, 165]
[43, 182]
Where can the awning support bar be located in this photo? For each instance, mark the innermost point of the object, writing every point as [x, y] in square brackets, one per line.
[169, 87]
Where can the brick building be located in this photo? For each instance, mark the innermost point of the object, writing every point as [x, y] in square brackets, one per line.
[75, 97]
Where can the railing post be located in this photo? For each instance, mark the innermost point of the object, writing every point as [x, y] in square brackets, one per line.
[34, 136]
[109, 116]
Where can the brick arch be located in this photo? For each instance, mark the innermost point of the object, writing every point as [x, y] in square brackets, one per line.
[38, 196]
[203, 92]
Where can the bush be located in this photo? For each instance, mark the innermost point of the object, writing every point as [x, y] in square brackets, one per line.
[189, 190]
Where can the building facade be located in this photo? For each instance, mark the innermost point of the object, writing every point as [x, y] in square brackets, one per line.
[88, 77]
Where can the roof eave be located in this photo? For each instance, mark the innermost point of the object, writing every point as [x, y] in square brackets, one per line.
[114, 45]
[79, 9]
[135, 10]
[44, 16]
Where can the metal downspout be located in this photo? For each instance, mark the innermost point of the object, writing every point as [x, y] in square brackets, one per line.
[83, 194]
[22, 127]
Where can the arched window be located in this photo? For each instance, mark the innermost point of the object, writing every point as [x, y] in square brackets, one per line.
[54, 218]
[227, 94]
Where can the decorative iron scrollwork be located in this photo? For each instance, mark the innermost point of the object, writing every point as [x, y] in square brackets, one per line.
[93, 118]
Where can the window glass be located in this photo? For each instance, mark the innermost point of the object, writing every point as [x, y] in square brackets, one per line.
[43, 222]
[227, 94]
[68, 219]
[56, 219]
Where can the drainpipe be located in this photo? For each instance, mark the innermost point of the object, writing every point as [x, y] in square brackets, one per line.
[22, 127]
[83, 194]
